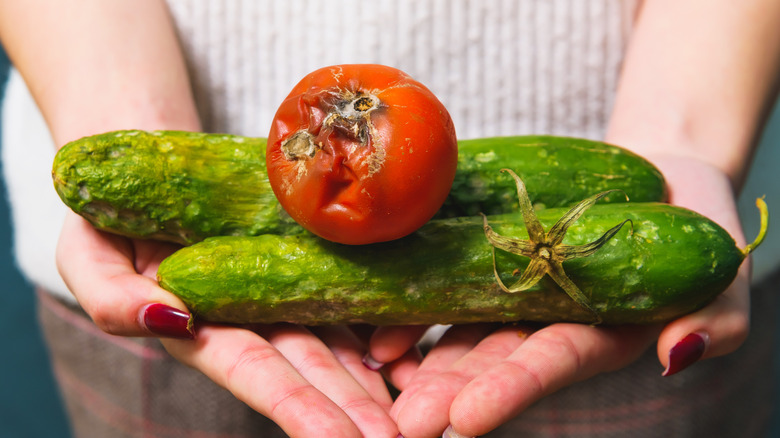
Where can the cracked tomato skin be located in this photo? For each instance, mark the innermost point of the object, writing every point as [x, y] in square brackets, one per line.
[361, 153]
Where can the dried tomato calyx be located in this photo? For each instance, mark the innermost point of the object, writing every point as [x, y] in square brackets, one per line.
[545, 248]
[544, 252]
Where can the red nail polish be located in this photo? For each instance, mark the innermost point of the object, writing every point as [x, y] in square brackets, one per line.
[686, 352]
[167, 321]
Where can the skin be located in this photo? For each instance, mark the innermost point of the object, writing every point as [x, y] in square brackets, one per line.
[698, 127]
[319, 385]
[696, 113]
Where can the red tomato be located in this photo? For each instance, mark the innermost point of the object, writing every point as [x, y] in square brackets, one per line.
[361, 153]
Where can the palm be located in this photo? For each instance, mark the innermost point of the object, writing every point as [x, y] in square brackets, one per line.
[280, 370]
[476, 378]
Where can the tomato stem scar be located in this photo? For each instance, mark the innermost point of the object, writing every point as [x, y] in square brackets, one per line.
[299, 146]
[356, 107]
[363, 104]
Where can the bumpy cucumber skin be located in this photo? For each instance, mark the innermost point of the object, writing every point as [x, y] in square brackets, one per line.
[173, 186]
[184, 187]
[672, 263]
[558, 171]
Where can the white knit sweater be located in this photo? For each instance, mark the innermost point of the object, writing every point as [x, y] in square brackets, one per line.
[500, 67]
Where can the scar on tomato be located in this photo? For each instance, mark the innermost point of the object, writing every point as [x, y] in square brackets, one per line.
[351, 114]
[299, 146]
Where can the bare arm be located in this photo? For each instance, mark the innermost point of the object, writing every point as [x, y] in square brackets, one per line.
[99, 66]
[698, 81]
[95, 66]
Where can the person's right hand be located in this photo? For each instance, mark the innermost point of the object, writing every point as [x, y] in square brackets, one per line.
[311, 382]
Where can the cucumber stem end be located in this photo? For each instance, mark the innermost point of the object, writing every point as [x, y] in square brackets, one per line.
[764, 217]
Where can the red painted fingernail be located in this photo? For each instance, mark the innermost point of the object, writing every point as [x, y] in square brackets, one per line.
[686, 352]
[371, 363]
[167, 321]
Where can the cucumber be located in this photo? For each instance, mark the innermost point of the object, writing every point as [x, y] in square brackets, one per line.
[672, 261]
[184, 187]
[558, 171]
[172, 186]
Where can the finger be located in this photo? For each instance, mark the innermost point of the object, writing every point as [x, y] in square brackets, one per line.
[347, 348]
[456, 342]
[99, 268]
[722, 326]
[400, 371]
[426, 413]
[316, 363]
[389, 343]
[259, 375]
[548, 360]
[716, 330]
[362, 331]
[149, 254]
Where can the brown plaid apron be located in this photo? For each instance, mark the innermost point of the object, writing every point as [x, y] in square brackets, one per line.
[124, 387]
[116, 387]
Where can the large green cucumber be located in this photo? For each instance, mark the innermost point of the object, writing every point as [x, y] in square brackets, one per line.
[184, 187]
[558, 172]
[173, 186]
[670, 262]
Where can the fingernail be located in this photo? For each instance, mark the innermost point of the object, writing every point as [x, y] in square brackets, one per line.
[167, 321]
[450, 433]
[686, 352]
[371, 363]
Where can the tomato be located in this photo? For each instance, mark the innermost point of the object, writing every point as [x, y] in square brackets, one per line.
[361, 153]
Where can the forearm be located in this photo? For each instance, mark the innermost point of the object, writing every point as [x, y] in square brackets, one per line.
[698, 81]
[94, 66]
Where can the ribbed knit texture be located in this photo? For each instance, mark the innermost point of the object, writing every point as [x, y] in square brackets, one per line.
[499, 66]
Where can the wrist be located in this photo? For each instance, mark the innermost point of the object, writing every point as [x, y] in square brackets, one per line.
[133, 113]
[702, 187]
[666, 145]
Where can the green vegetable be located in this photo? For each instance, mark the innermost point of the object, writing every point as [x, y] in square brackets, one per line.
[173, 186]
[185, 187]
[670, 262]
[558, 171]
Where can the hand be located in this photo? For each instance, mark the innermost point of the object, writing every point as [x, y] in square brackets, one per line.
[480, 376]
[310, 382]
[724, 324]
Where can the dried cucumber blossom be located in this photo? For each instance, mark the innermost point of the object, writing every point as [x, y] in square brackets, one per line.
[545, 249]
